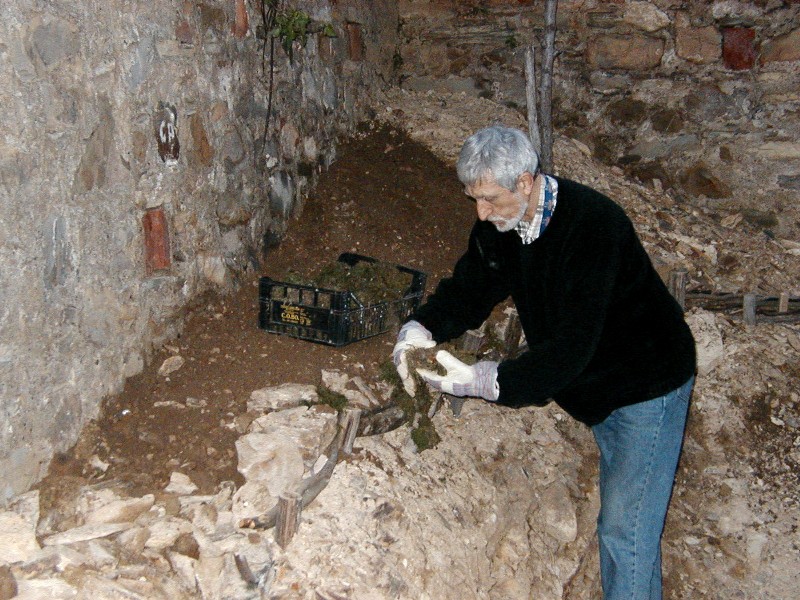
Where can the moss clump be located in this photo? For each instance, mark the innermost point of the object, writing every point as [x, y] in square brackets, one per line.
[335, 400]
[424, 434]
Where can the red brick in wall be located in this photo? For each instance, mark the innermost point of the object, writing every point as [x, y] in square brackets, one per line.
[156, 240]
[738, 48]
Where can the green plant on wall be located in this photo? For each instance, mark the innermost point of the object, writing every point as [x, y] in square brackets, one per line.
[286, 26]
[295, 25]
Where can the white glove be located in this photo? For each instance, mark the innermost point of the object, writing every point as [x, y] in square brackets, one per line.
[477, 381]
[412, 335]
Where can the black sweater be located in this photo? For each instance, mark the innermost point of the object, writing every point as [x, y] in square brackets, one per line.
[602, 329]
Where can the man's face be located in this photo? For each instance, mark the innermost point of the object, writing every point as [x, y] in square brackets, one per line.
[494, 203]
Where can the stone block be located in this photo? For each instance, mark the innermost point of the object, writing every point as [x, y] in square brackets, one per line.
[203, 151]
[55, 42]
[738, 48]
[785, 48]
[91, 171]
[183, 32]
[645, 16]
[699, 45]
[355, 42]
[629, 53]
[156, 240]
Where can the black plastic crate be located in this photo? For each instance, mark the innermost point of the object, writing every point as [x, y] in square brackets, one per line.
[333, 317]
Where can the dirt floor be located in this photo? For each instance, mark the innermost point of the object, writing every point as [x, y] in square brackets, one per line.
[387, 197]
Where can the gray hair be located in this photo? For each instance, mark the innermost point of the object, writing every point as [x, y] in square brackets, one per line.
[500, 152]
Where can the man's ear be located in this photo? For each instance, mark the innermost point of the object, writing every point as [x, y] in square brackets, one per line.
[525, 183]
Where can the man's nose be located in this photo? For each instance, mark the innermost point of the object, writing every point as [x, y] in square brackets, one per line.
[484, 209]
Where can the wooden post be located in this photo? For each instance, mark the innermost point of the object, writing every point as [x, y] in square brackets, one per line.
[783, 302]
[351, 428]
[547, 84]
[749, 308]
[677, 286]
[288, 520]
[530, 94]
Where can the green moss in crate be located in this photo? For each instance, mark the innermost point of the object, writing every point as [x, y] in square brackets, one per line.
[371, 283]
[333, 399]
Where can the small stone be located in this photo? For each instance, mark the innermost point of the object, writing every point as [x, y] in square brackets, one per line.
[289, 395]
[180, 484]
[164, 533]
[8, 583]
[170, 365]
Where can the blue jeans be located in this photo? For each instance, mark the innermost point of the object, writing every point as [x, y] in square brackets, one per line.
[639, 449]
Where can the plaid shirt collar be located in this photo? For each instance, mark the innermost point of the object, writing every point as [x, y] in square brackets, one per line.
[531, 230]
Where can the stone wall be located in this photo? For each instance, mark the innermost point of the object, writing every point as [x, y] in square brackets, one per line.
[697, 97]
[135, 175]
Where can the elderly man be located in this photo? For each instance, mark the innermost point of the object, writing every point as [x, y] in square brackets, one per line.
[606, 340]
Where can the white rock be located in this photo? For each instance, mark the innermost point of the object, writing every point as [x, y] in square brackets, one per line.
[99, 555]
[708, 340]
[319, 464]
[184, 567]
[164, 533]
[557, 513]
[252, 500]
[335, 380]
[310, 429]
[220, 579]
[170, 365]
[55, 558]
[17, 538]
[85, 533]
[279, 397]
[121, 511]
[271, 459]
[180, 484]
[41, 589]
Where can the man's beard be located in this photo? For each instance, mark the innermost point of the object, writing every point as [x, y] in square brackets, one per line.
[504, 225]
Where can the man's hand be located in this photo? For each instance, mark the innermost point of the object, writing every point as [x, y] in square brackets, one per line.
[478, 380]
[412, 335]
